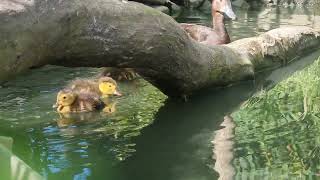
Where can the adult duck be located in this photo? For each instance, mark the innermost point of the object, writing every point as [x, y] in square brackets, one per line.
[220, 10]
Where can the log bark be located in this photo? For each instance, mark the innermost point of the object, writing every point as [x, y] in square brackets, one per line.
[128, 34]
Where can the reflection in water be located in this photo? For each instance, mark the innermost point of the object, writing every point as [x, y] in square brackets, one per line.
[277, 131]
[147, 138]
[110, 105]
[11, 167]
[73, 119]
[256, 137]
[70, 145]
[223, 149]
[177, 145]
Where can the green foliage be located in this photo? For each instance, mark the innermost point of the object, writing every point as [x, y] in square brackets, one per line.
[277, 133]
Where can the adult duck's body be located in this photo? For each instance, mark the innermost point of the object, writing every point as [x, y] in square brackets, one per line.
[218, 34]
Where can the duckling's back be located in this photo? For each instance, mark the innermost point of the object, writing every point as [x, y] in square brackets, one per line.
[85, 86]
[87, 102]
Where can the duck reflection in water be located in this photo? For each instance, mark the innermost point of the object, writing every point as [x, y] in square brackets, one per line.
[110, 105]
[75, 119]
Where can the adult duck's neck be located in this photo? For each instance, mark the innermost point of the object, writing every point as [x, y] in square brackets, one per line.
[219, 27]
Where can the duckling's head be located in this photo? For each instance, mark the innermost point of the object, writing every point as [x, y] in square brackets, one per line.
[66, 98]
[108, 86]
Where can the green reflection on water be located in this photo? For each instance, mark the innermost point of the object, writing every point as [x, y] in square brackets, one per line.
[277, 133]
[71, 146]
[178, 145]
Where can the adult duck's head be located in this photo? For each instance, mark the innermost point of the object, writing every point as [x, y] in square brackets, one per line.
[223, 7]
[108, 86]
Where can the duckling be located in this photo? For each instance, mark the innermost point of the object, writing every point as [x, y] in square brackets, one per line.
[108, 86]
[103, 87]
[120, 73]
[69, 101]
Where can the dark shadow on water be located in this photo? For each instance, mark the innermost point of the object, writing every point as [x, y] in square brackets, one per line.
[178, 144]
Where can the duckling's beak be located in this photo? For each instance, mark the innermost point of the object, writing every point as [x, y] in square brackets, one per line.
[117, 93]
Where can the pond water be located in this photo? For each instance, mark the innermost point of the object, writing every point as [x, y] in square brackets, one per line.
[150, 137]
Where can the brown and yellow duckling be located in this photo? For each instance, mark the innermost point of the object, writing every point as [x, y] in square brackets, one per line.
[85, 95]
[103, 87]
[69, 101]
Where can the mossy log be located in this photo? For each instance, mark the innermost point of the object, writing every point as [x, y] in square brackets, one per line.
[128, 34]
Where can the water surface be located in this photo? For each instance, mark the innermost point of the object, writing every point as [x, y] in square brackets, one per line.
[149, 136]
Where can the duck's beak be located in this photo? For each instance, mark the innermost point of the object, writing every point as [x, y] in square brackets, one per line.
[117, 93]
[228, 12]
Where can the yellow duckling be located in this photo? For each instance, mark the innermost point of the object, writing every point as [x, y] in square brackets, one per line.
[69, 101]
[104, 87]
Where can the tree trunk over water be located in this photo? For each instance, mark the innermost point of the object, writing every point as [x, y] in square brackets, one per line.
[128, 34]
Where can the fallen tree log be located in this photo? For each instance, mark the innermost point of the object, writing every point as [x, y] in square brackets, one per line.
[128, 34]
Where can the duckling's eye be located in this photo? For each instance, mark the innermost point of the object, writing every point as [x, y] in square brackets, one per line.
[64, 97]
[110, 86]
